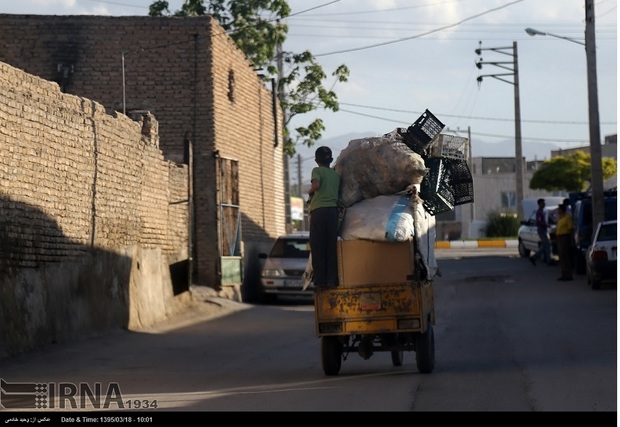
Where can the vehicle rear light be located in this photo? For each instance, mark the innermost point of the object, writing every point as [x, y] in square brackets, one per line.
[599, 256]
[330, 327]
[408, 324]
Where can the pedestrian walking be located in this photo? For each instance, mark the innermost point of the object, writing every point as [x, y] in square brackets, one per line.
[542, 228]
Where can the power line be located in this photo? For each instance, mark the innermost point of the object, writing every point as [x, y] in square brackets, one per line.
[398, 123]
[313, 8]
[419, 35]
[416, 113]
[119, 4]
[388, 10]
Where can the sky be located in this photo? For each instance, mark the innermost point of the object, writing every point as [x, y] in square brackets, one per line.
[408, 56]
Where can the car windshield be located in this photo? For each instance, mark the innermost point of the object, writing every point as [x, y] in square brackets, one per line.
[291, 248]
[607, 233]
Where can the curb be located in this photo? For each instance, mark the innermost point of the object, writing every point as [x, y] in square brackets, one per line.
[460, 244]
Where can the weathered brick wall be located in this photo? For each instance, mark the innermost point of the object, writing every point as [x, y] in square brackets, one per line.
[84, 210]
[91, 172]
[243, 129]
[178, 69]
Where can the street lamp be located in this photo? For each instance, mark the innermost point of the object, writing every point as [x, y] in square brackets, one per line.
[513, 67]
[596, 171]
[533, 32]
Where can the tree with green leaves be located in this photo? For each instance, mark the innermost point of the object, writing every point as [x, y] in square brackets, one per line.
[571, 173]
[256, 28]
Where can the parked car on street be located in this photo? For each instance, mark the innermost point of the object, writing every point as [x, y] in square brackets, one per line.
[601, 254]
[284, 266]
[582, 223]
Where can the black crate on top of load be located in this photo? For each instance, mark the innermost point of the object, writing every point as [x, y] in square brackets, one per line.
[449, 147]
[434, 190]
[461, 181]
[448, 184]
[421, 133]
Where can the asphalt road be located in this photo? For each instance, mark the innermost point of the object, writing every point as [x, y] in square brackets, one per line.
[509, 338]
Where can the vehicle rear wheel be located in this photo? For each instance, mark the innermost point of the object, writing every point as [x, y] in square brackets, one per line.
[425, 351]
[580, 264]
[523, 251]
[331, 355]
[397, 357]
[592, 282]
[268, 298]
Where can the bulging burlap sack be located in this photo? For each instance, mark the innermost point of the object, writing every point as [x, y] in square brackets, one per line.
[375, 166]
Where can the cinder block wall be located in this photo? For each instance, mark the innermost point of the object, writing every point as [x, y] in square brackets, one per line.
[87, 228]
[190, 75]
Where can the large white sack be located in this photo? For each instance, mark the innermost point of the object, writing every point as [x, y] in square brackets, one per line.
[371, 167]
[381, 218]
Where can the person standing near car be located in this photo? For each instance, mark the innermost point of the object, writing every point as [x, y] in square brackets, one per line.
[563, 234]
[324, 197]
[542, 229]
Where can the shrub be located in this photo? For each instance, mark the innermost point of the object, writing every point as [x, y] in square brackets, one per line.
[500, 224]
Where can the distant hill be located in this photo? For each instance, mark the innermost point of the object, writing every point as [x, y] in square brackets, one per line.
[531, 151]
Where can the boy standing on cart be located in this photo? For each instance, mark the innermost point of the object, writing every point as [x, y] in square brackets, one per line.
[324, 194]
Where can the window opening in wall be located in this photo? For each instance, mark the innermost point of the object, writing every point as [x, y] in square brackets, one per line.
[231, 86]
[509, 199]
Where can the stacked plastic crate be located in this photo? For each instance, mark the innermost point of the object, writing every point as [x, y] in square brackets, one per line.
[449, 182]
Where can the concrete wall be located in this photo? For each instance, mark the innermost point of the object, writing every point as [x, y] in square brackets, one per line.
[189, 74]
[88, 220]
[489, 185]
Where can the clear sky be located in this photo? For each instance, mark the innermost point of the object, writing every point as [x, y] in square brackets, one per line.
[406, 56]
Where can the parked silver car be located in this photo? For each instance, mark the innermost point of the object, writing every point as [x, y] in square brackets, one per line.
[601, 264]
[284, 266]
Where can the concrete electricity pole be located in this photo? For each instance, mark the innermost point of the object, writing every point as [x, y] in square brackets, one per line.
[513, 67]
[596, 183]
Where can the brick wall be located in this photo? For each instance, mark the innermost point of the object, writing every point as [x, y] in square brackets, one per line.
[189, 74]
[85, 207]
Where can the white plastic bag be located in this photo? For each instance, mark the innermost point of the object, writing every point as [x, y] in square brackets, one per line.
[381, 218]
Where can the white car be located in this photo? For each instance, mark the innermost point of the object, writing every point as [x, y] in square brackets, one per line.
[284, 267]
[528, 238]
[601, 255]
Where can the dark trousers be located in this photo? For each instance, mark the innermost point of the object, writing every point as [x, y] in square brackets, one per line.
[564, 253]
[324, 246]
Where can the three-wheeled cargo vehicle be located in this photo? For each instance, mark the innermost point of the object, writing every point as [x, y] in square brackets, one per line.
[384, 303]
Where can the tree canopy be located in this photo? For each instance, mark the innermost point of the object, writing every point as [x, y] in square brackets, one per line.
[571, 173]
[256, 28]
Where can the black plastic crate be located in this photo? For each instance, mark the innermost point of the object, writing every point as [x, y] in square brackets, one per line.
[448, 184]
[422, 131]
[434, 190]
[459, 179]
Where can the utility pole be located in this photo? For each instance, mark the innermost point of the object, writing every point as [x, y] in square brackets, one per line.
[300, 187]
[513, 67]
[287, 181]
[596, 161]
[596, 183]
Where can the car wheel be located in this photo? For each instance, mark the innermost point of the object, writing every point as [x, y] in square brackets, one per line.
[425, 351]
[397, 357]
[269, 298]
[331, 355]
[523, 251]
[580, 264]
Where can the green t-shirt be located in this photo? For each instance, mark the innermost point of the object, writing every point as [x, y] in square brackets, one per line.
[329, 189]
